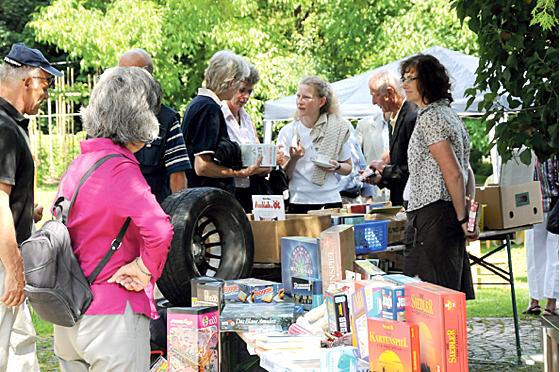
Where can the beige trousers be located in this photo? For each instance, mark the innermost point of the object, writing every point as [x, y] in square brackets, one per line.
[17, 337]
[102, 343]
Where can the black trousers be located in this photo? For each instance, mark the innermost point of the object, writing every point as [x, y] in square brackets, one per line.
[436, 248]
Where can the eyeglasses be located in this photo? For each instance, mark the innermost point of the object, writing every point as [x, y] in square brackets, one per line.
[409, 79]
[49, 80]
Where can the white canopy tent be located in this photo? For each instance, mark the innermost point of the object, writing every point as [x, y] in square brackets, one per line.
[355, 100]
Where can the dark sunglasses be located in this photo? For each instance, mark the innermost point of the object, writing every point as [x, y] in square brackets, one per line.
[50, 80]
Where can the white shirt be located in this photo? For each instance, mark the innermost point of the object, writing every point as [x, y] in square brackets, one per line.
[243, 133]
[302, 190]
[372, 134]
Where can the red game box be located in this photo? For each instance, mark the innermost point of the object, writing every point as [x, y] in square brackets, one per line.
[393, 346]
[440, 314]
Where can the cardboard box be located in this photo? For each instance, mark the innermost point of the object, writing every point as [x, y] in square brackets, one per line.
[193, 339]
[393, 346]
[440, 314]
[300, 257]
[267, 234]
[251, 152]
[337, 253]
[511, 206]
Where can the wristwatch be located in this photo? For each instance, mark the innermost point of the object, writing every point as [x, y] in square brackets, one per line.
[464, 220]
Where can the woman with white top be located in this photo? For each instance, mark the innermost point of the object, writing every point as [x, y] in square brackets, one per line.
[316, 148]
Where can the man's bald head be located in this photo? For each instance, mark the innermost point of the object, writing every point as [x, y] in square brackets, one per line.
[137, 58]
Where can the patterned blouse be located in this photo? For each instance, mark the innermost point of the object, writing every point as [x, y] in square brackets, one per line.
[435, 123]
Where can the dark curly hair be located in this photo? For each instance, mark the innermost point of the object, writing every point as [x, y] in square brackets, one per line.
[433, 81]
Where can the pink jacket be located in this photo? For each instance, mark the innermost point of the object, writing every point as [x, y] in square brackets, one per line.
[115, 191]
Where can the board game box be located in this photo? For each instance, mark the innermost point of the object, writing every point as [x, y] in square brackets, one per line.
[393, 346]
[300, 257]
[440, 314]
[193, 339]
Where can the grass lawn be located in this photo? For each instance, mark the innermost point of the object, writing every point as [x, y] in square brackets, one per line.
[495, 300]
[491, 301]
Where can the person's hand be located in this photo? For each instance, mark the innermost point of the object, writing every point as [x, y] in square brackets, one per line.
[377, 165]
[373, 179]
[334, 166]
[134, 276]
[385, 157]
[14, 282]
[280, 157]
[297, 153]
[253, 169]
[471, 236]
[37, 213]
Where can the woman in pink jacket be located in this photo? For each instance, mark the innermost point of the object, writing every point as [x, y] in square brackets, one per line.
[113, 335]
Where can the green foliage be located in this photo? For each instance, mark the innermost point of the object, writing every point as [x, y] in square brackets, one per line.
[285, 39]
[480, 147]
[518, 61]
[544, 14]
[14, 14]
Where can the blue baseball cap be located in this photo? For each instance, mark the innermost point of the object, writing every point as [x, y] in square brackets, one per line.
[21, 55]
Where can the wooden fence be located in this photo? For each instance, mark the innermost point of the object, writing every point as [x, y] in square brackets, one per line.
[52, 132]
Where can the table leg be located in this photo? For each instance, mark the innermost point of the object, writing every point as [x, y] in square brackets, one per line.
[513, 300]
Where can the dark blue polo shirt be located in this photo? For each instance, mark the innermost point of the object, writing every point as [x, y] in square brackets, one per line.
[203, 127]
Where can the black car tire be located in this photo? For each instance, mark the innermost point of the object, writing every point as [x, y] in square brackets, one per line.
[212, 237]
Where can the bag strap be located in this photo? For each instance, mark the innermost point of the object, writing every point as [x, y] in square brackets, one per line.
[84, 178]
[115, 244]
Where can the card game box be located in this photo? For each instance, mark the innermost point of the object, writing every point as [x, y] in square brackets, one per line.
[193, 339]
[338, 310]
[366, 303]
[440, 314]
[393, 302]
[300, 257]
[367, 269]
[258, 291]
[307, 292]
[257, 317]
[251, 152]
[393, 346]
[207, 291]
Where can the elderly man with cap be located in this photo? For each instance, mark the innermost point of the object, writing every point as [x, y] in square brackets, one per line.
[164, 161]
[25, 79]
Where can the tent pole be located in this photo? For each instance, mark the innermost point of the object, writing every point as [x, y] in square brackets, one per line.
[267, 131]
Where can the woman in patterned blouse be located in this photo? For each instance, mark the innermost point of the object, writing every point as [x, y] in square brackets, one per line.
[441, 180]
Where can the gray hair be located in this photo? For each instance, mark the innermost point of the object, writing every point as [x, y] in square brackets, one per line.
[9, 74]
[253, 77]
[323, 89]
[123, 106]
[224, 68]
[385, 79]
